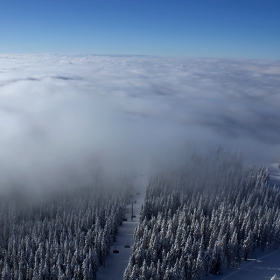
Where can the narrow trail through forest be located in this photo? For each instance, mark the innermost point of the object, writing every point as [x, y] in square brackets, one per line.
[116, 263]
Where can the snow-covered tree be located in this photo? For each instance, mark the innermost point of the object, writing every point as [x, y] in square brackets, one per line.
[205, 217]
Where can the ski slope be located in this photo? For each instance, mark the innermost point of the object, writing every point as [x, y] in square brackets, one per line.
[116, 263]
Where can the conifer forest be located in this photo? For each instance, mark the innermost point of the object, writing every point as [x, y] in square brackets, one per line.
[66, 236]
[204, 218]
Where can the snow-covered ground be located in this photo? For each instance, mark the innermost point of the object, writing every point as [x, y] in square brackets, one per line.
[274, 174]
[261, 266]
[264, 267]
[116, 263]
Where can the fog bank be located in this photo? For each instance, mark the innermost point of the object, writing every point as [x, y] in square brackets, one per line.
[63, 119]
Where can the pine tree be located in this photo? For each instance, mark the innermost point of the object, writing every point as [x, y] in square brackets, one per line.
[6, 272]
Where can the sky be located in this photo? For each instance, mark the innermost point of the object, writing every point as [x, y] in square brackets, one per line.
[126, 86]
[179, 28]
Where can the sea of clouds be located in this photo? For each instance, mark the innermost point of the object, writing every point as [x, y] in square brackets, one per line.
[64, 117]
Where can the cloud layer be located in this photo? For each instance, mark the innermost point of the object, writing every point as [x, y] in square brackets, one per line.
[61, 116]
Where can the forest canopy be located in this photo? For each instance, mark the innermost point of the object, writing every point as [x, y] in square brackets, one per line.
[203, 218]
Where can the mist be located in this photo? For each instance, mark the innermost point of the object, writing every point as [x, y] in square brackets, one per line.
[64, 119]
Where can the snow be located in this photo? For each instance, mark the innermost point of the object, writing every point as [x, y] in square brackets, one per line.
[259, 268]
[274, 174]
[116, 263]
[261, 265]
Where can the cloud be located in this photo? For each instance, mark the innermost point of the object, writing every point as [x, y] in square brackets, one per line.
[62, 116]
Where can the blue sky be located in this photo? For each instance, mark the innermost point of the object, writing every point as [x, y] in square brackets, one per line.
[190, 28]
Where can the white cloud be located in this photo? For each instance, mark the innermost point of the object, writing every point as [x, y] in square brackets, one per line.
[58, 114]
